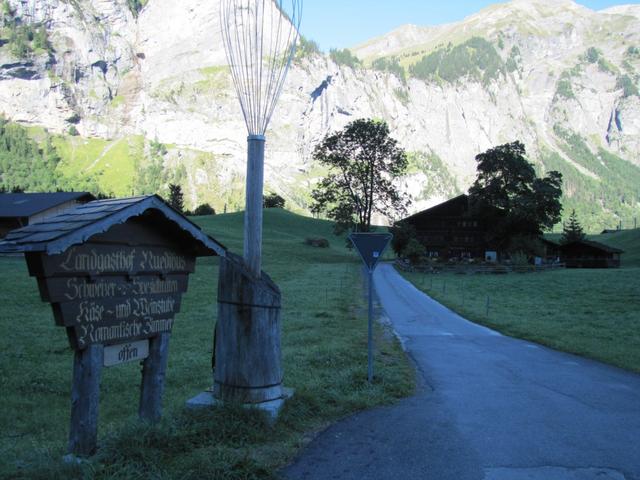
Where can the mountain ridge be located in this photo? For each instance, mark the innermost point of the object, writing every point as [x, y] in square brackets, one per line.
[159, 77]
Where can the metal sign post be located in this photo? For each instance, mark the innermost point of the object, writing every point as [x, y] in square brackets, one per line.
[370, 246]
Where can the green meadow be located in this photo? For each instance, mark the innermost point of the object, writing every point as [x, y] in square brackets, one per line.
[324, 353]
[590, 312]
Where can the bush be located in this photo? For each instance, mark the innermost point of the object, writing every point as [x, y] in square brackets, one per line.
[317, 242]
[306, 48]
[632, 52]
[514, 60]
[402, 95]
[273, 200]
[41, 39]
[19, 43]
[592, 55]
[135, 6]
[73, 131]
[391, 65]
[402, 232]
[627, 85]
[413, 251]
[204, 209]
[564, 88]
[74, 119]
[344, 57]
[526, 245]
[519, 259]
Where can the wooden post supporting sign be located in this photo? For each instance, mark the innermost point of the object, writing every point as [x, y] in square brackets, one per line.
[85, 399]
[153, 374]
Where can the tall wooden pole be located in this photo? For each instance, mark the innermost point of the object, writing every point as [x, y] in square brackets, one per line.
[253, 205]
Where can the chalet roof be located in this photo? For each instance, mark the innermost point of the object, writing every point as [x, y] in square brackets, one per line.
[592, 244]
[452, 207]
[14, 205]
[76, 225]
[550, 242]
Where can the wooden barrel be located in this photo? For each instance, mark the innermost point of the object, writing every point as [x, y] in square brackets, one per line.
[248, 358]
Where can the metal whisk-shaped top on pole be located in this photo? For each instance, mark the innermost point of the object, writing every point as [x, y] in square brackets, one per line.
[260, 38]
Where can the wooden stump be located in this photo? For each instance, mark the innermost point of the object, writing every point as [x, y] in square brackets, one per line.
[248, 358]
[85, 399]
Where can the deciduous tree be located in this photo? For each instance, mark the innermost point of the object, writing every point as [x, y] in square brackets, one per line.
[363, 162]
[509, 196]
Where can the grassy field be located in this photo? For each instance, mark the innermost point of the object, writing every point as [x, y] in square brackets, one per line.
[591, 312]
[110, 162]
[324, 350]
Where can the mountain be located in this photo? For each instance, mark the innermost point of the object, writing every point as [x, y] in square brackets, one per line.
[146, 89]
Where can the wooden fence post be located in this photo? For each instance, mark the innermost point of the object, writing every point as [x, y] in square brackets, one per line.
[153, 374]
[462, 294]
[85, 399]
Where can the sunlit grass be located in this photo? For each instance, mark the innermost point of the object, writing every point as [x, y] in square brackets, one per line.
[590, 312]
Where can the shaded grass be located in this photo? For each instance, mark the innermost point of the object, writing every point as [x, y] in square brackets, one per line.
[324, 355]
[589, 312]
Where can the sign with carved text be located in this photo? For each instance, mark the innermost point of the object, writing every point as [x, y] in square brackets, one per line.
[112, 294]
[126, 352]
[114, 272]
[103, 259]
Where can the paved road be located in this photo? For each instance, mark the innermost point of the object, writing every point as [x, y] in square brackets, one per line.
[491, 407]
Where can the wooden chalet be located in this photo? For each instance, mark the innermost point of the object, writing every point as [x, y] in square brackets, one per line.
[21, 209]
[552, 251]
[589, 254]
[450, 230]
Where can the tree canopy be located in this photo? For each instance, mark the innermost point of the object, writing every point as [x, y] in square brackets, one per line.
[363, 162]
[273, 200]
[511, 198]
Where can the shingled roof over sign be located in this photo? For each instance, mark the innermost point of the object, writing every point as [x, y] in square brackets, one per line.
[75, 226]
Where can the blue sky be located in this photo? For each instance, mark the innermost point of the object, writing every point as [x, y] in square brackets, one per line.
[345, 23]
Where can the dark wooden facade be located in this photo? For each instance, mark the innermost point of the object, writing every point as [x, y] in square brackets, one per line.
[552, 252]
[588, 254]
[450, 230]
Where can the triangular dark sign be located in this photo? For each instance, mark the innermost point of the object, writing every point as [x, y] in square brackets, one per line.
[370, 246]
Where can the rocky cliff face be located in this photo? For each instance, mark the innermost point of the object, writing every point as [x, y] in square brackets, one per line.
[161, 74]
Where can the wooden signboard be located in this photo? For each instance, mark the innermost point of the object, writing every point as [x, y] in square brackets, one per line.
[114, 272]
[118, 304]
[112, 294]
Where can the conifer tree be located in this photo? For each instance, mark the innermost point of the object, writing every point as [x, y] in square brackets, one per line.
[572, 232]
[175, 197]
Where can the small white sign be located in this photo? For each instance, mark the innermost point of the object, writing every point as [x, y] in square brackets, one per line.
[125, 352]
[376, 254]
